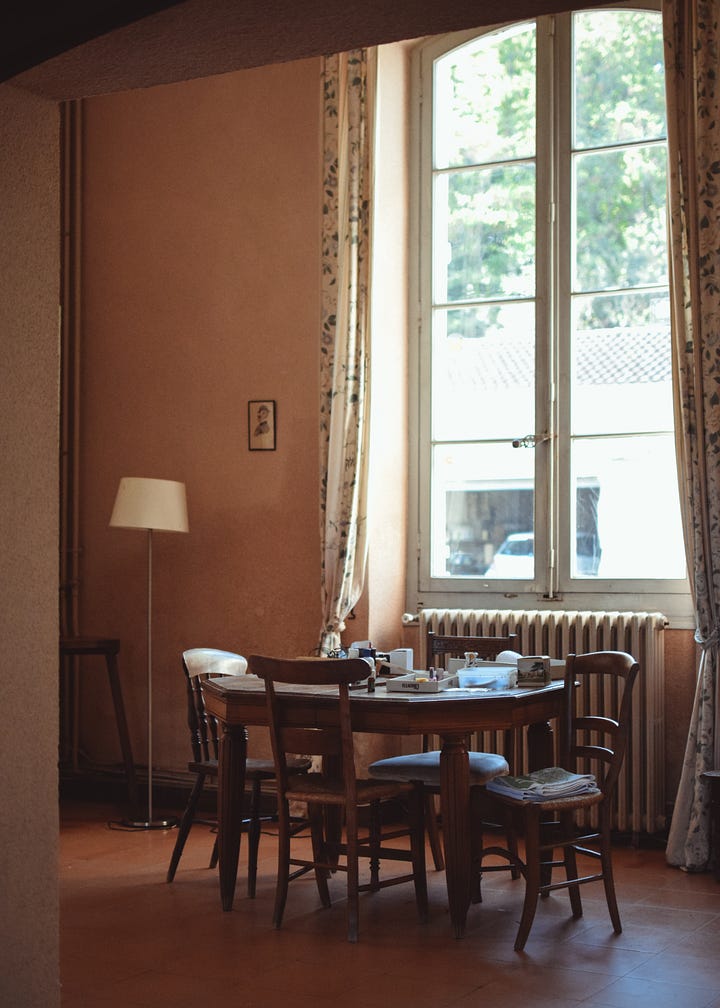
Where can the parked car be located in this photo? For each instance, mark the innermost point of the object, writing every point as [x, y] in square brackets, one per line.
[515, 557]
[464, 563]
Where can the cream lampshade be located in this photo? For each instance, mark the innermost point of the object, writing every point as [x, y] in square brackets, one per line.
[150, 504]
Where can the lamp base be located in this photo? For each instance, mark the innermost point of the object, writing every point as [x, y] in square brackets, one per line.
[168, 822]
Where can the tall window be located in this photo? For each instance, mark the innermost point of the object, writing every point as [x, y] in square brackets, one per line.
[546, 461]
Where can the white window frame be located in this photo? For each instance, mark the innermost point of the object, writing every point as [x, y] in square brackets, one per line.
[670, 597]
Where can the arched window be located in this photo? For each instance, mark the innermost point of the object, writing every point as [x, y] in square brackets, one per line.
[545, 443]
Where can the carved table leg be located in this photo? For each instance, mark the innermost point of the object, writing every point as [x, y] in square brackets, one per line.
[332, 815]
[541, 750]
[455, 805]
[231, 791]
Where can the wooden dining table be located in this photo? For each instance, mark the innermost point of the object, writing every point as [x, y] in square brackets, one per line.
[452, 715]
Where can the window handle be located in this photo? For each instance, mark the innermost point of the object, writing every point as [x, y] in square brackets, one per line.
[530, 440]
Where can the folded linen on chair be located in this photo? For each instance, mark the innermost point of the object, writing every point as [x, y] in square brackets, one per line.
[544, 785]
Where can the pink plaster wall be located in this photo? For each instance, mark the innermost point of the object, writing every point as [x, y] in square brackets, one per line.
[200, 292]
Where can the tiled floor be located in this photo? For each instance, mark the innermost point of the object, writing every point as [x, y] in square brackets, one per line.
[128, 938]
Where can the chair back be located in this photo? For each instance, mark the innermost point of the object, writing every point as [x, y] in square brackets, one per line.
[200, 664]
[591, 742]
[440, 646]
[333, 740]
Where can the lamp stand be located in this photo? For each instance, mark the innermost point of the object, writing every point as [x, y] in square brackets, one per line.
[150, 822]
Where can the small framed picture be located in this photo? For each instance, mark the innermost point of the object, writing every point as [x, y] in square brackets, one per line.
[534, 670]
[261, 425]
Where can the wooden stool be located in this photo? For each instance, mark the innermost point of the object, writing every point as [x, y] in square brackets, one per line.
[109, 648]
[713, 779]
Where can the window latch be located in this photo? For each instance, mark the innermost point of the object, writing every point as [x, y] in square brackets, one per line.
[530, 440]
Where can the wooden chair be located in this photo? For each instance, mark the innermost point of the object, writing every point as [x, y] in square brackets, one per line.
[438, 647]
[425, 766]
[589, 743]
[335, 788]
[200, 664]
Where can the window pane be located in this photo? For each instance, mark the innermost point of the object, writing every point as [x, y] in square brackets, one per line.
[620, 222]
[619, 77]
[475, 515]
[484, 233]
[628, 522]
[483, 378]
[486, 90]
[621, 356]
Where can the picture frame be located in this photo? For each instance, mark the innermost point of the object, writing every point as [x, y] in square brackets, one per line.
[534, 670]
[262, 424]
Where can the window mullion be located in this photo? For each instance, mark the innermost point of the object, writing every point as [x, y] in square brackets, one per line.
[563, 286]
[546, 473]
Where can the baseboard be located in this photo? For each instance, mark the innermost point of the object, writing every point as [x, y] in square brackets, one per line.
[170, 790]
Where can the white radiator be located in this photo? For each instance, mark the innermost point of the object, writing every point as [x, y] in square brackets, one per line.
[640, 799]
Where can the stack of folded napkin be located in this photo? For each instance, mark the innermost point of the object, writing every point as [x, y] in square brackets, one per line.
[553, 782]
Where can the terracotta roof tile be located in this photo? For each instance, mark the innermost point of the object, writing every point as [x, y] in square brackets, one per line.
[632, 355]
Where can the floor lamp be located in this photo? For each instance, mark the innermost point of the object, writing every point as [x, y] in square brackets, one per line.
[154, 505]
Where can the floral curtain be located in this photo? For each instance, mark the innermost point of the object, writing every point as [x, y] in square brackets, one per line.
[348, 95]
[692, 58]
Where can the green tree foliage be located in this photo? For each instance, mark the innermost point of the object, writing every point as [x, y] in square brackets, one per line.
[485, 151]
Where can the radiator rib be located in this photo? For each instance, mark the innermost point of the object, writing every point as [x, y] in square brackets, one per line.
[640, 799]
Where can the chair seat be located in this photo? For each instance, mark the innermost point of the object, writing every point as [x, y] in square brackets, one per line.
[425, 767]
[566, 804]
[265, 769]
[319, 788]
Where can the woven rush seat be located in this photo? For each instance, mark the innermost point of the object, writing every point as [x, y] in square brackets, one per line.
[317, 787]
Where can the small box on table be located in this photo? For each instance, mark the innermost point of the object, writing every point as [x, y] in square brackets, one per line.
[534, 670]
[419, 682]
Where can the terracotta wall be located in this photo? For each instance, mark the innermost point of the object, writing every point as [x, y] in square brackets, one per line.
[681, 661]
[202, 215]
[200, 292]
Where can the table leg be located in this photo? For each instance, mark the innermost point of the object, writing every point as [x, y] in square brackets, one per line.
[231, 791]
[455, 806]
[541, 748]
[332, 815]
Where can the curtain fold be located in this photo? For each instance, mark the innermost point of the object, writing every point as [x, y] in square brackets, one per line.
[348, 119]
[691, 68]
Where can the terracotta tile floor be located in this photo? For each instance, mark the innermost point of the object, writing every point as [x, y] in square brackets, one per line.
[128, 938]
